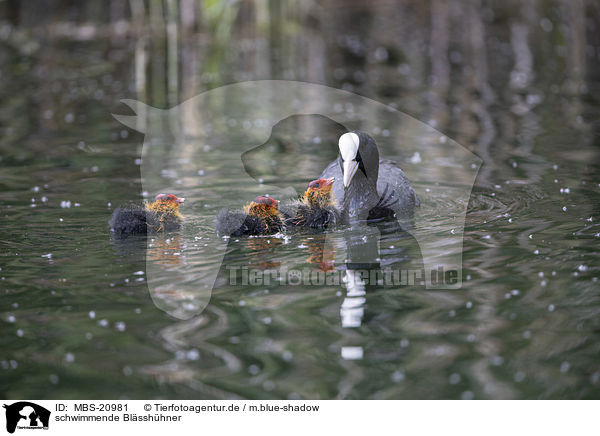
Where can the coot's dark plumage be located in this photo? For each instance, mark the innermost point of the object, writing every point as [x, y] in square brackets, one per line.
[316, 208]
[365, 187]
[260, 217]
[160, 216]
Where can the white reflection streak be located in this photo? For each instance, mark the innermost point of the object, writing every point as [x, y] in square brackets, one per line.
[353, 310]
[352, 353]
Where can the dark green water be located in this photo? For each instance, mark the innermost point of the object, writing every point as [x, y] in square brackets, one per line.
[77, 317]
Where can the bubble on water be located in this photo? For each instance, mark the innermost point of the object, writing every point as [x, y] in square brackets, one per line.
[193, 354]
[47, 256]
[287, 355]
[11, 318]
[20, 333]
[53, 379]
[540, 274]
[92, 314]
[595, 378]
[69, 358]
[564, 367]
[526, 334]
[103, 323]
[519, 376]
[89, 336]
[530, 236]
[127, 371]
[565, 191]
[65, 204]
[469, 305]
[497, 360]
[454, 379]
[551, 308]
[121, 326]
[564, 209]
[547, 27]
[467, 395]
[582, 268]
[404, 343]
[398, 376]
[415, 158]
[470, 337]
[268, 385]
[515, 292]
[253, 369]
[234, 340]
[536, 251]
[267, 320]
[452, 313]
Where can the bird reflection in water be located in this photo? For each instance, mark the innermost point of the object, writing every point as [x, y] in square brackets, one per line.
[320, 252]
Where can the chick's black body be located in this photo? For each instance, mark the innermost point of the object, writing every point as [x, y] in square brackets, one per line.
[232, 223]
[260, 217]
[129, 221]
[313, 217]
[314, 209]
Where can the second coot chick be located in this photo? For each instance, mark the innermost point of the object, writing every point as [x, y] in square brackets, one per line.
[162, 215]
[260, 217]
[316, 208]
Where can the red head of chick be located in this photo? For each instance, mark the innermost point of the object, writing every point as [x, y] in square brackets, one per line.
[319, 193]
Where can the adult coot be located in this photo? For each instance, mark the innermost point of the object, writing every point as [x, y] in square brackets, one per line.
[366, 187]
[315, 208]
[162, 215]
[259, 217]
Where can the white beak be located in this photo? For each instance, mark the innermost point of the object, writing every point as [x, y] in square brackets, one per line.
[349, 169]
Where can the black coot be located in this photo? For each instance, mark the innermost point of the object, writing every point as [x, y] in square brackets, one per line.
[366, 187]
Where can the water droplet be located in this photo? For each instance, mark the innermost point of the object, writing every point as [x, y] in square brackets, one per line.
[454, 379]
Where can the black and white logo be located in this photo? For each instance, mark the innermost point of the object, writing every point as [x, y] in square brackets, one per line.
[26, 415]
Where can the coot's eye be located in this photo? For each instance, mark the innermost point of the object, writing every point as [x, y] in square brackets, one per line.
[316, 185]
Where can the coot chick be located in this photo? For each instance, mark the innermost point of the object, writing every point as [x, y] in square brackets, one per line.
[260, 217]
[315, 208]
[160, 216]
[366, 187]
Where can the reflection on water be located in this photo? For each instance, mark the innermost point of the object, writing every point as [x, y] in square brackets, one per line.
[518, 87]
